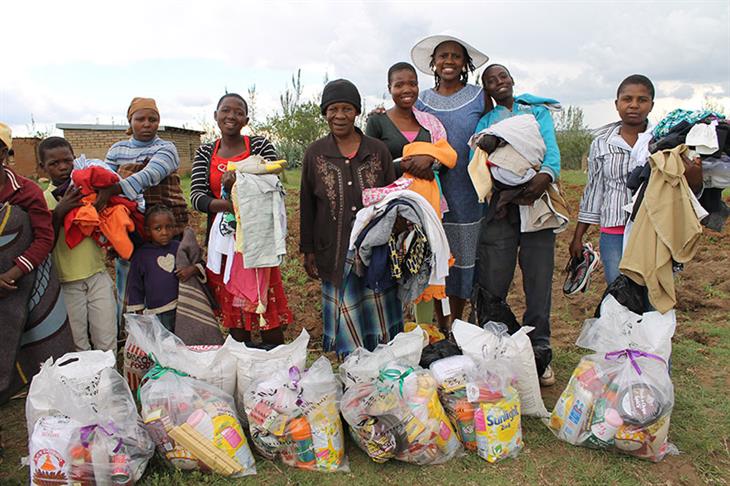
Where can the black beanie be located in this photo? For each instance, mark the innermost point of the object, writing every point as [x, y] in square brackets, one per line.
[340, 91]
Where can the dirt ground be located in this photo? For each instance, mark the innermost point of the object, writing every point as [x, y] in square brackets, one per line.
[703, 311]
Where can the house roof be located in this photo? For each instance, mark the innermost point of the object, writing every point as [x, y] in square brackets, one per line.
[97, 127]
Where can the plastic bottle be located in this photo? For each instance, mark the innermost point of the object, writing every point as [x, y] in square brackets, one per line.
[301, 434]
[580, 411]
[480, 433]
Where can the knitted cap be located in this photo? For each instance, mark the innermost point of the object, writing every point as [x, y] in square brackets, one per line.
[340, 91]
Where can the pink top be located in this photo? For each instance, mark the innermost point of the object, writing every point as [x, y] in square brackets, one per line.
[430, 123]
[613, 230]
[410, 134]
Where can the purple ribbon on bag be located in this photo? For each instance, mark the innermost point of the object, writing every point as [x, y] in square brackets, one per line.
[87, 430]
[294, 376]
[632, 354]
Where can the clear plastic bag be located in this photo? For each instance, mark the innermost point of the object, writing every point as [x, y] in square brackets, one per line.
[399, 416]
[482, 403]
[83, 423]
[620, 398]
[214, 366]
[295, 416]
[493, 341]
[194, 424]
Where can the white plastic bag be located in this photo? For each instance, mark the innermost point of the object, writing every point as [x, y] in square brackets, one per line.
[399, 416]
[363, 366]
[619, 328]
[620, 398]
[481, 343]
[83, 422]
[194, 424]
[215, 367]
[252, 363]
[295, 416]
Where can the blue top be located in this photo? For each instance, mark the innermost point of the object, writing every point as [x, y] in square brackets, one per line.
[538, 107]
[459, 114]
[152, 284]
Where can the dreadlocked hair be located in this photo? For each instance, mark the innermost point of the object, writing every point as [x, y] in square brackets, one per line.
[464, 76]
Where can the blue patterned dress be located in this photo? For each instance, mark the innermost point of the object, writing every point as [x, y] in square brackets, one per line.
[459, 114]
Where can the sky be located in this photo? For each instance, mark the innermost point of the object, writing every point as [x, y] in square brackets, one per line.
[82, 61]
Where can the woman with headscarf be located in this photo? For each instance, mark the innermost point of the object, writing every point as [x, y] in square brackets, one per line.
[148, 166]
[458, 105]
[335, 171]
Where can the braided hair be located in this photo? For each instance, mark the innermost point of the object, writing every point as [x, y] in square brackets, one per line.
[468, 65]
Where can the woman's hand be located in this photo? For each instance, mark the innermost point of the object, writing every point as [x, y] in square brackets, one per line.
[310, 266]
[228, 179]
[104, 194]
[185, 273]
[420, 166]
[9, 280]
[535, 188]
[576, 249]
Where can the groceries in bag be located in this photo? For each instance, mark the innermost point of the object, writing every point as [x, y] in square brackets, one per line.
[83, 425]
[399, 416]
[194, 424]
[294, 416]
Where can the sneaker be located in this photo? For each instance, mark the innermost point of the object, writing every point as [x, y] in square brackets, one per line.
[548, 377]
[579, 271]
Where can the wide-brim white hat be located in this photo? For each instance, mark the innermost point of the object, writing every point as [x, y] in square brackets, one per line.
[422, 51]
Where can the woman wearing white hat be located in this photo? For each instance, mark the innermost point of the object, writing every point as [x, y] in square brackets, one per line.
[458, 105]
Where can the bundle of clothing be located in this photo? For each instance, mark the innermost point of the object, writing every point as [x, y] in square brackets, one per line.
[706, 133]
[253, 246]
[110, 227]
[515, 153]
[400, 241]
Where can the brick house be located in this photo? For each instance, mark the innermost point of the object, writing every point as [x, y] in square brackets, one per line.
[94, 140]
[25, 161]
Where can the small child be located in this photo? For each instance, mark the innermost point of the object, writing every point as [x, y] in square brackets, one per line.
[88, 290]
[24, 193]
[152, 284]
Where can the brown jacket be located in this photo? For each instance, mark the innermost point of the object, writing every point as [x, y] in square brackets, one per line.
[331, 195]
[666, 228]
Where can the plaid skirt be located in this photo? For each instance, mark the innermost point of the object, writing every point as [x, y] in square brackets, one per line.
[355, 316]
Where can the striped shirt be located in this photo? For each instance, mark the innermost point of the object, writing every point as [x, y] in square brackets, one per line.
[609, 164]
[162, 160]
[200, 192]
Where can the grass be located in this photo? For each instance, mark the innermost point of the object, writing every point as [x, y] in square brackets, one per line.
[700, 419]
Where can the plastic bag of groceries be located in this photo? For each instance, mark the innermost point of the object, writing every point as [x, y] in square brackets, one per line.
[398, 415]
[83, 426]
[252, 363]
[482, 403]
[621, 397]
[295, 416]
[194, 424]
[494, 340]
[363, 366]
[147, 336]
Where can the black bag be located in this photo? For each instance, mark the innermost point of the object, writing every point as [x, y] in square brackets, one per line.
[438, 350]
[486, 307]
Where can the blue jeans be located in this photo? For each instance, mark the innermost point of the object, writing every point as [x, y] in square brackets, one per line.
[611, 247]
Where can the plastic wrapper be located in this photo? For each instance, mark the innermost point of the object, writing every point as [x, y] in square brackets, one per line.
[83, 425]
[399, 416]
[493, 341]
[213, 365]
[482, 403]
[621, 397]
[295, 416]
[194, 424]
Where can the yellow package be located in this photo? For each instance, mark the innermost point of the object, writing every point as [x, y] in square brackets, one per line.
[498, 427]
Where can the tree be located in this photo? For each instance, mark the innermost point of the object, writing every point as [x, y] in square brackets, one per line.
[573, 136]
[299, 123]
[713, 104]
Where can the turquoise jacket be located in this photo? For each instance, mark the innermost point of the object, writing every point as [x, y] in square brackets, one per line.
[540, 109]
